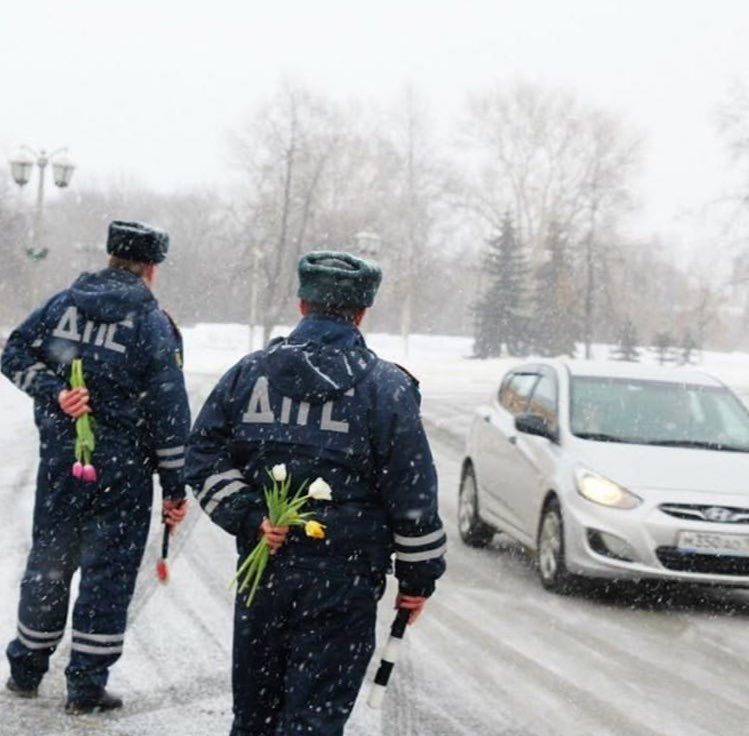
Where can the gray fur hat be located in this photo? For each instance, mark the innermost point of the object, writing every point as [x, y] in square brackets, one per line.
[338, 279]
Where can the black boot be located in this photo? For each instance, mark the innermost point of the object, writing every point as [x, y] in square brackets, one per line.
[101, 704]
[19, 691]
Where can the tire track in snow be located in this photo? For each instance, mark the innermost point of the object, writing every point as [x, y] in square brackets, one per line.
[398, 712]
[460, 709]
[585, 711]
[612, 633]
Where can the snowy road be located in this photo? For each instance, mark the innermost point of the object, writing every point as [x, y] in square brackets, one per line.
[494, 655]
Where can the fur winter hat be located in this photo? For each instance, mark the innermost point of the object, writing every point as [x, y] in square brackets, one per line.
[338, 279]
[137, 242]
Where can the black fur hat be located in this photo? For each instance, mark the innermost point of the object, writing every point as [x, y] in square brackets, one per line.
[137, 242]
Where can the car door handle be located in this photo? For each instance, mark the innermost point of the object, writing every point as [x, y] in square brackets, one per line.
[513, 440]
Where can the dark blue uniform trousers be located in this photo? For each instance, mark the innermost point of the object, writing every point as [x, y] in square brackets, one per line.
[301, 649]
[100, 528]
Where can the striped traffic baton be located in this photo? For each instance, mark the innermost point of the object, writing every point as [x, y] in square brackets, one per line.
[389, 658]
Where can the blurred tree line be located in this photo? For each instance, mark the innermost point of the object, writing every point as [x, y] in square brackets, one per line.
[509, 226]
[554, 181]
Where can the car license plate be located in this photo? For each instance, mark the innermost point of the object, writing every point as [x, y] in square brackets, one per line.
[723, 544]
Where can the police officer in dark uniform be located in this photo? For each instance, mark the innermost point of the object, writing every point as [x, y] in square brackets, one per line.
[323, 404]
[136, 393]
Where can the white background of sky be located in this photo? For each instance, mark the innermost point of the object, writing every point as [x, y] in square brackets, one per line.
[149, 90]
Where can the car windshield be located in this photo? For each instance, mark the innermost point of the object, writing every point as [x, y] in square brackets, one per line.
[658, 413]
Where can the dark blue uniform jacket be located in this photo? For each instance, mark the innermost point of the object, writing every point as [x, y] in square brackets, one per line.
[326, 406]
[132, 364]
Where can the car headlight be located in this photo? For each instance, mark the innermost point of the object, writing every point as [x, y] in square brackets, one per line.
[603, 491]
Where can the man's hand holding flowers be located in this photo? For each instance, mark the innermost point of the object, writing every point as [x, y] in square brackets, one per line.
[274, 536]
[74, 402]
[284, 511]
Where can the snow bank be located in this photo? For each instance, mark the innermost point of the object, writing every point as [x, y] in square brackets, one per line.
[443, 364]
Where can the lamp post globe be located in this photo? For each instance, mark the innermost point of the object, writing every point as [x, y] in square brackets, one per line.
[21, 169]
[21, 166]
[62, 170]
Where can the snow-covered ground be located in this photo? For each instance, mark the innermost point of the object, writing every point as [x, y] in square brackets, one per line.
[493, 656]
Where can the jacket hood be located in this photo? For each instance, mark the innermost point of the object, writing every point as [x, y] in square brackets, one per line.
[111, 295]
[321, 360]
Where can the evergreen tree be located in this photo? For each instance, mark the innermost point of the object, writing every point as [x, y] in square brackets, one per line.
[663, 347]
[500, 319]
[627, 350]
[555, 323]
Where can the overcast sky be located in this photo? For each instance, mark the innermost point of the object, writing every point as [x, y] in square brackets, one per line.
[150, 88]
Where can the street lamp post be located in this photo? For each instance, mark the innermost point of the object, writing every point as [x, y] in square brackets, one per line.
[254, 289]
[368, 244]
[21, 168]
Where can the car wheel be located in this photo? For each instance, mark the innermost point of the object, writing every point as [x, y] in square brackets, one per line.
[552, 567]
[472, 530]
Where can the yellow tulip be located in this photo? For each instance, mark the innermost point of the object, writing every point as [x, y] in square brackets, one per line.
[314, 529]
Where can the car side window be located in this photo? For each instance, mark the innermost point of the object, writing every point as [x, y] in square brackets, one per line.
[503, 388]
[516, 391]
[544, 400]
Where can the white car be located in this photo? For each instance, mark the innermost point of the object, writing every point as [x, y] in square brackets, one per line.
[612, 470]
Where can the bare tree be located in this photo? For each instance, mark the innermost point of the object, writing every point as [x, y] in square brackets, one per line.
[550, 159]
[733, 124]
[603, 194]
[284, 152]
[316, 174]
[415, 175]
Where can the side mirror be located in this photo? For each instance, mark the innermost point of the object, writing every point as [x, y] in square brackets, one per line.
[534, 424]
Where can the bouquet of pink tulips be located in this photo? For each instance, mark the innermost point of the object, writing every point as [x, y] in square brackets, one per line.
[283, 510]
[85, 443]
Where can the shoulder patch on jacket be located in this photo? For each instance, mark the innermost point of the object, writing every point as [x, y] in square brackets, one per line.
[177, 336]
[172, 324]
[409, 374]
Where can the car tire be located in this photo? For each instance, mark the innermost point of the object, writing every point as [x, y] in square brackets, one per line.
[473, 531]
[552, 565]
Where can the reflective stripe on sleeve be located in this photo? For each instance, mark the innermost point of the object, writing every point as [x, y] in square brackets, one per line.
[223, 494]
[170, 451]
[214, 480]
[430, 538]
[172, 464]
[31, 374]
[431, 554]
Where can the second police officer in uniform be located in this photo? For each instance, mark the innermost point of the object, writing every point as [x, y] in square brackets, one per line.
[136, 391]
[323, 404]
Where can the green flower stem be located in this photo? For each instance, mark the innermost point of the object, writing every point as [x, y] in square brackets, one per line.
[85, 442]
[283, 510]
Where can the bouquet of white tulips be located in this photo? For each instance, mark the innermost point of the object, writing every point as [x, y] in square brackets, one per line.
[284, 509]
